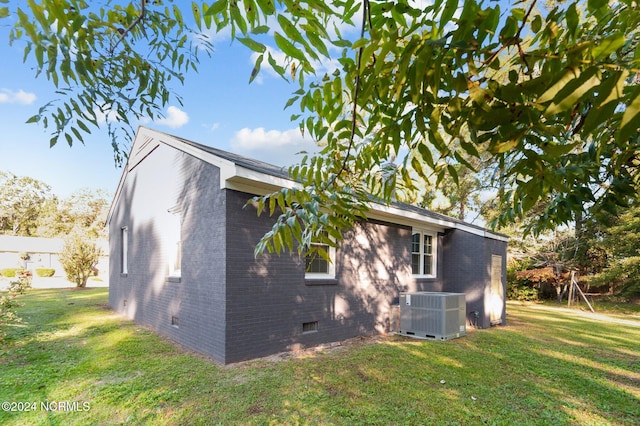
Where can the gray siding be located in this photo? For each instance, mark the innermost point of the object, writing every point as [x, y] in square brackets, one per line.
[169, 179]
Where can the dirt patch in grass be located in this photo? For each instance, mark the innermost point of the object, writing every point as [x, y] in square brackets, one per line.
[103, 306]
[256, 408]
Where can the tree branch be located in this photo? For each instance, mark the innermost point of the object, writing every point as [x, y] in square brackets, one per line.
[123, 33]
[515, 39]
[356, 92]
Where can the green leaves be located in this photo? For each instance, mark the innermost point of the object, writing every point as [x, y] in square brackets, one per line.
[118, 60]
[608, 45]
[252, 44]
[630, 119]
[572, 90]
[533, 99]
[288, 48]
[419, 94]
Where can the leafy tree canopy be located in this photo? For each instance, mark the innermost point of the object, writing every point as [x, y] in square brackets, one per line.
[621, 241]
[21, 201]
[549, 90]
[85, 209]
[28, 207]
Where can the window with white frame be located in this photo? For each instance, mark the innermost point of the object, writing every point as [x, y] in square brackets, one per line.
[124, 250]
[317, 266]
[175, 243]
[423, 253]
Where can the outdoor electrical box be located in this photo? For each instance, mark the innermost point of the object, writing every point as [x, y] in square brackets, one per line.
[433, 315]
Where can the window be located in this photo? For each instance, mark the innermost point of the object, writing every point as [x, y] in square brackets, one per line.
[124, 250]
[318, 267]
[423, 254]
[174, 242]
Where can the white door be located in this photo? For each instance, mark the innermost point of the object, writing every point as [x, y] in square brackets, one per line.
[497, 294]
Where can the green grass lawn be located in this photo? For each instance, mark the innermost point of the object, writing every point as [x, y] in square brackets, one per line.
[546, 367]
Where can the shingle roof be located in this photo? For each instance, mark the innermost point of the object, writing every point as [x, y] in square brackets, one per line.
[282, 173]
[249, 163]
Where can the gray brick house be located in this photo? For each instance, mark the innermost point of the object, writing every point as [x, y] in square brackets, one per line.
[182, 262]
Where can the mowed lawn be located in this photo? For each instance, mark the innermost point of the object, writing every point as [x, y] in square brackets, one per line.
[73, 361]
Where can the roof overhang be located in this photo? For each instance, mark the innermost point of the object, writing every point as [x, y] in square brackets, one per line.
[244, 179]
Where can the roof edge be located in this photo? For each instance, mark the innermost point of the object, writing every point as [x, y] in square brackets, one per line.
[252, 176]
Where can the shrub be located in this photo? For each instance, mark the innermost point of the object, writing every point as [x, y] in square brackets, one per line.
[8, 301]
[24, 273]
[79, 258]
[518, 287]
[45, 272]
[8, 272]
[522, 292]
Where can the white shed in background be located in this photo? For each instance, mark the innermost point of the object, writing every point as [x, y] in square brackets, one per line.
[43, 253]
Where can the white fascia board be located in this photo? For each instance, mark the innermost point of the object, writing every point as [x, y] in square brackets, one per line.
[414, 219]
[403, 217]
[239, 178]
[233, 175]
[493, 236]
[264, 183]
[116, 196]
[258, 183]
[227, 168]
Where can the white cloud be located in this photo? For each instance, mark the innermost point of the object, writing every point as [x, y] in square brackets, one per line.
[102, 116]
[20, 97]
[272, 146]
[212, 35]
[174, 118]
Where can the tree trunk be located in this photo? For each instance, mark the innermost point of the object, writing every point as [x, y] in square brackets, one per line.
[561, 290]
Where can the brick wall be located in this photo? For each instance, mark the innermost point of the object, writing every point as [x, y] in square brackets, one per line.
[170, 180]
[234, 306]
[467, 269]
[268, 298]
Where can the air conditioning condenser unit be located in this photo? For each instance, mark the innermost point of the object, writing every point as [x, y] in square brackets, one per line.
[433, 315]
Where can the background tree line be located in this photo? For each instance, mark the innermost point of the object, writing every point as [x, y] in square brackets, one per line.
[28, 207]
[604, 251]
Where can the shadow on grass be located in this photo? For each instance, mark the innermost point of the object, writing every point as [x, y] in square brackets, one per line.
[543, 368]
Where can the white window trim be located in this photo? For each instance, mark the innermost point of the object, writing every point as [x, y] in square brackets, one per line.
[173, 272]
[124, 250]
[175, 244]
[324, 275]
[434, 254]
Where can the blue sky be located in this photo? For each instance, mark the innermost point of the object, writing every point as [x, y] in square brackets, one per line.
[219, 109]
